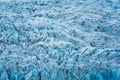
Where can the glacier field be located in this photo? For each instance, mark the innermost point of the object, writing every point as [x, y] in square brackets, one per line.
[59, 39]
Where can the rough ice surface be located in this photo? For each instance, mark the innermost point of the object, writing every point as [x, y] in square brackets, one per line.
[59, 39]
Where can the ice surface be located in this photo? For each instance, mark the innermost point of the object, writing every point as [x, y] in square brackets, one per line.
[59, 39]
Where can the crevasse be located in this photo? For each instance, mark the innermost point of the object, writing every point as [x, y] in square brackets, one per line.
[59, 39]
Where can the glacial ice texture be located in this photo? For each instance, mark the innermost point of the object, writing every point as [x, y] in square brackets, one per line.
[59, 39]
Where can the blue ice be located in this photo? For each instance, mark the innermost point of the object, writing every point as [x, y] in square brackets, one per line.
[59, 39]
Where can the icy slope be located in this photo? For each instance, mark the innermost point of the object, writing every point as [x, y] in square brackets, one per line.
[59, 40]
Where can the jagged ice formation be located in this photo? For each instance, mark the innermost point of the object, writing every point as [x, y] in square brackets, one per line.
[59, 39]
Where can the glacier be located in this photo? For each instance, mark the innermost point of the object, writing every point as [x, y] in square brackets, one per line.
[59, 39]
